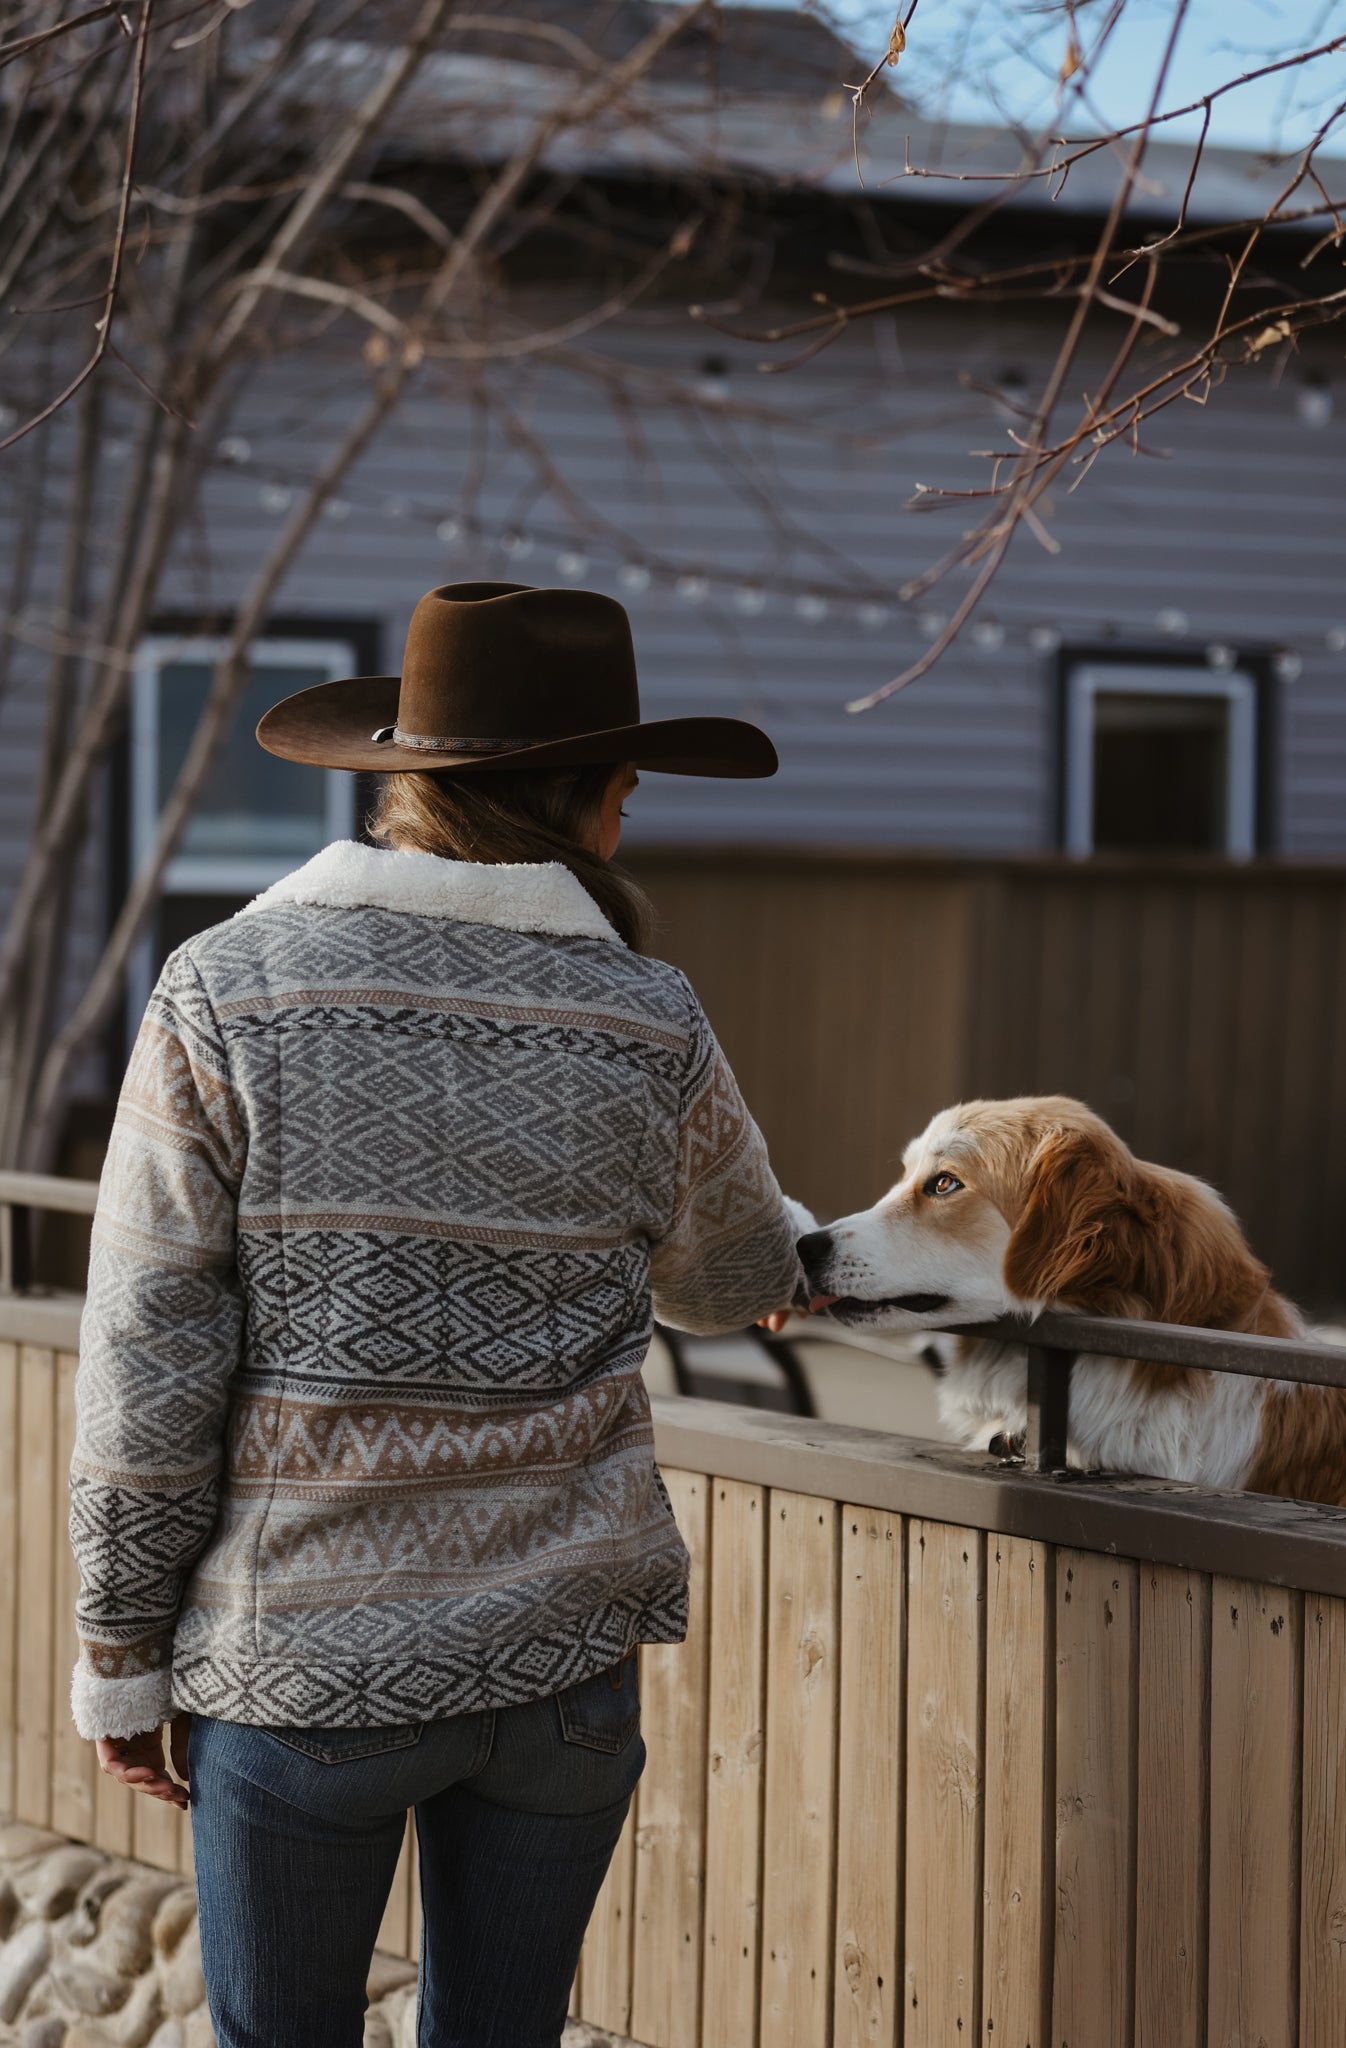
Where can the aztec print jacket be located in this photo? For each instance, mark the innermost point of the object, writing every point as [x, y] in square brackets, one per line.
[403, 1152]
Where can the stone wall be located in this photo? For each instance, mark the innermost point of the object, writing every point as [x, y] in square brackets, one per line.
[99, 1952]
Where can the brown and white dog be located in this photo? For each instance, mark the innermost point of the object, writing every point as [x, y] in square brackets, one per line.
[1009, 1208]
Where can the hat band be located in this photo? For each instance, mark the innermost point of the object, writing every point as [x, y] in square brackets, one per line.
[429, 743]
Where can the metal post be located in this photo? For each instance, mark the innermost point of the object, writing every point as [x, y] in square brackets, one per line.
[1049, 1371]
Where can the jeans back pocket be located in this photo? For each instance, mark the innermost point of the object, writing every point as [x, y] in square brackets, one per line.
[602, 1712]
[348, 1745]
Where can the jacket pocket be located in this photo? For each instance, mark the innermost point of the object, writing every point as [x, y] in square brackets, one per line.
[602, 1712]
[348, 1745]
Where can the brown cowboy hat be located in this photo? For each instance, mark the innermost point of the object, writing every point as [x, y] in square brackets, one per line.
[499, 675]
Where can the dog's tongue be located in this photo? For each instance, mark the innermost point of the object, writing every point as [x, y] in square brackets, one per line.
[821, 1301]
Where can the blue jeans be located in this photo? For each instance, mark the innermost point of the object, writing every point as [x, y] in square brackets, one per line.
[297, 1831]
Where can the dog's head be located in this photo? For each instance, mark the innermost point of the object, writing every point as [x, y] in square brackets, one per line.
[1005, 1208]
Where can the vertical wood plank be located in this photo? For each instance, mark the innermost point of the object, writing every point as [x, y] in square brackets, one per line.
[155, 1835]
[606, 1986]
[868, 1993]
[395, 1927]
[1096, 1630]
[9, 1574]
[736, 1718]
[36, 1574]
[670, 1831]
[799, 1836]
[73, 1762]
[945, 1647]
[113, 1808]
[1172, 1808]
[1322, 1984]
[1255, 1735]
[1019, 1875]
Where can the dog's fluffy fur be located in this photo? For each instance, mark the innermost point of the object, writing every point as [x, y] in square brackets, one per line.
[1008, 1208]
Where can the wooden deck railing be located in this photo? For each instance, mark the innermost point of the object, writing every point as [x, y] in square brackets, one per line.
[955, 1751]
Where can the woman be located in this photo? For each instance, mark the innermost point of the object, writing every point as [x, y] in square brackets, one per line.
[363, 1490]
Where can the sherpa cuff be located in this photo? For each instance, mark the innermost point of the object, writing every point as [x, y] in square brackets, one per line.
[119, 1706]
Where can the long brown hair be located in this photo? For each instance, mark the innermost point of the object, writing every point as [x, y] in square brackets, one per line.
[519, 814]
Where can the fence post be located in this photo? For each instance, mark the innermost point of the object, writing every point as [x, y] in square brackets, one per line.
[1049, 1369]
[15, 1249]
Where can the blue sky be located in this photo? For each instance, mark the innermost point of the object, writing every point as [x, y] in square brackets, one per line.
[966, 58]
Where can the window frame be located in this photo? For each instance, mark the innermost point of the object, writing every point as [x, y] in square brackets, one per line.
[1088, 673]
[196, 874]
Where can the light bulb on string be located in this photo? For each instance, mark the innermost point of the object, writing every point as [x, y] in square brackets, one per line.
[872, 616]
[750, 599]
[571, 564]
[692, 589]
[634, 577]
[275, 497]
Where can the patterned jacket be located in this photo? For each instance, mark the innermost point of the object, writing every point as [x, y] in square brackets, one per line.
[403, 1152]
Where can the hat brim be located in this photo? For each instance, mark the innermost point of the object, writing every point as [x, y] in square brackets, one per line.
[331, 726]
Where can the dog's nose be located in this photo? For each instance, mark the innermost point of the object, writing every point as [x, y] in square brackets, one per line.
[814, 1252]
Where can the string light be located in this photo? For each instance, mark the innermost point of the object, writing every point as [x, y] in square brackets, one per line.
[696, 587]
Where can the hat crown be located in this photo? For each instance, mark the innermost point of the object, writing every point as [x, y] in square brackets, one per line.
[506, 661]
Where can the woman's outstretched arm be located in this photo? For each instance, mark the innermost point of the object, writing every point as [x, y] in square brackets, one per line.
[728, 1255]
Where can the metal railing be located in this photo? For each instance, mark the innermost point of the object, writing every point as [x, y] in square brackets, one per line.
[1053, 1341]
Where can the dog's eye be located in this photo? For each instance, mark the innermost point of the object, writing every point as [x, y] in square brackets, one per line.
[942, 1184]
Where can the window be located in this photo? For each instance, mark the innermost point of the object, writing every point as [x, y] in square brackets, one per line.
[1160, 759]
[257, 817]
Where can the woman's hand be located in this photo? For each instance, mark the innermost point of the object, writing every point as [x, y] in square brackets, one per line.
[779, 1319]
[138, 1760]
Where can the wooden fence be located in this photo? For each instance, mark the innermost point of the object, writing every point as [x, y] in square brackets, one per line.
[1199, 1006]
[926, 1771]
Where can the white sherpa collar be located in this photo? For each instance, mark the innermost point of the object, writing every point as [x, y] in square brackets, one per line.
[520, 897]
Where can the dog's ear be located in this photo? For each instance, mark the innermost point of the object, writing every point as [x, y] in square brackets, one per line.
[1100, 1231]
[1080, 1236]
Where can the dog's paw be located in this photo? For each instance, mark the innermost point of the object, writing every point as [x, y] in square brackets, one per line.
[1011, 1450]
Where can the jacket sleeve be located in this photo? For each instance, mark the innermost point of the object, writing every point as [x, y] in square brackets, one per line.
[728, 1255]
[159, 1343]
